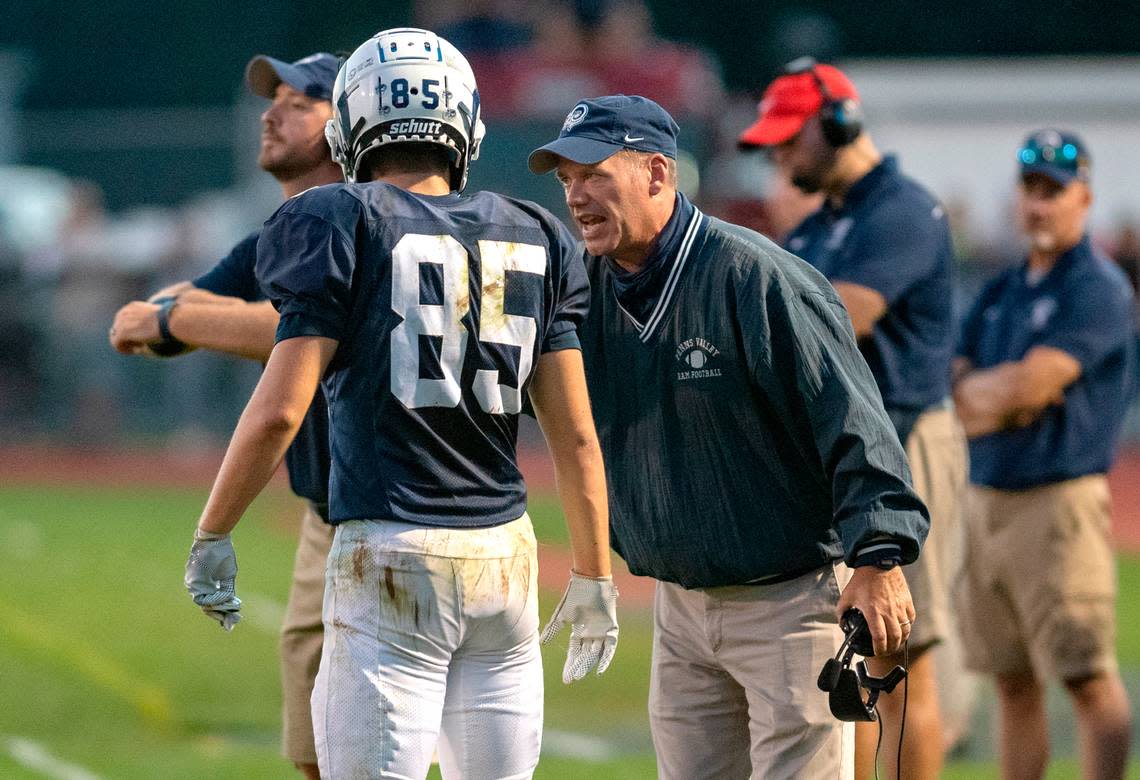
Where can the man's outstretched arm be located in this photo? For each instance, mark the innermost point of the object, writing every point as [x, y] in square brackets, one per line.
[199, 319]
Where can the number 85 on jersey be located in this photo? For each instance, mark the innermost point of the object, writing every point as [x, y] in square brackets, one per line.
[443, 320]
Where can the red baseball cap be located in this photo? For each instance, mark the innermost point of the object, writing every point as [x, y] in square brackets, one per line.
[791, 100]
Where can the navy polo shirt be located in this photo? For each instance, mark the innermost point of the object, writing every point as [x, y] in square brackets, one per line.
[441, 307]
[892, 236]
[1083, 306]
[307, 458]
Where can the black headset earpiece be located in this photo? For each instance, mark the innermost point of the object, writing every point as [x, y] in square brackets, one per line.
[842, 683]
[841, 120]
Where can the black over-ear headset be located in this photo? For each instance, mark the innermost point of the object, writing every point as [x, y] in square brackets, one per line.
[842, 683]
[840, 119]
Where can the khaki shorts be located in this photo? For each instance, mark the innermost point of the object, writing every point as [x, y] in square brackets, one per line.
[732, 690]
[1039, 587]
[301, 637]
[939, 465]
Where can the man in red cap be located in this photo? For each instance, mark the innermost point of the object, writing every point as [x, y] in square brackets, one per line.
[883, 241]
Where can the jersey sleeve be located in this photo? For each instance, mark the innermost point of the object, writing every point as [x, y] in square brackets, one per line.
[897, 247]
[572, 291]
[234, 275]
[804, 358]
[1093, 323]
[306, 265]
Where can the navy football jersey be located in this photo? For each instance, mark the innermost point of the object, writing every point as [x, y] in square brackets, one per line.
[441, 306]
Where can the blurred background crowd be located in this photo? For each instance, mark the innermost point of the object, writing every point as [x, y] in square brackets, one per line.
[128, 147]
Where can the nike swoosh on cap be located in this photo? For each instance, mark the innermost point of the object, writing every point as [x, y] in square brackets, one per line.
[630, 140]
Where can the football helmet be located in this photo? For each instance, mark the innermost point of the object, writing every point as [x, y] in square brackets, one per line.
[403, 85]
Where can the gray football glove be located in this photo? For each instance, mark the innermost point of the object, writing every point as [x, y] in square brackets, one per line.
[589, 605]
[210, 573]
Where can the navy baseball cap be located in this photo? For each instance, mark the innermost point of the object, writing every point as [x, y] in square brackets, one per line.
[1060, 155]
[598, 127]
[314, 75]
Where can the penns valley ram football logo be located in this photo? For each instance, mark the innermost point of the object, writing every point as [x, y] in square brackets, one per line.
[696, 357]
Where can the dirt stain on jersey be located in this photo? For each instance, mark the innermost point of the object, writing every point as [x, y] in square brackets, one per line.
[492, 318]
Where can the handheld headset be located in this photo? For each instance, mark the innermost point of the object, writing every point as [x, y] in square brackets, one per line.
[840, 119]
[842, 683]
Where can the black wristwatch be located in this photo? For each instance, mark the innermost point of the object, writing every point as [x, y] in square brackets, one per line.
[888, 563]
[167, 345]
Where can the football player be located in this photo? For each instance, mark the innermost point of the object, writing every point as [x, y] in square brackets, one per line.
[429, 315]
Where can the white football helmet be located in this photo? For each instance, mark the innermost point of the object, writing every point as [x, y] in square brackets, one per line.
[402, 85]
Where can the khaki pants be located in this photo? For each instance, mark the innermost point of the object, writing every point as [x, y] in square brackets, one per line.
[301, 637]
[733, 683]
[1039, 590]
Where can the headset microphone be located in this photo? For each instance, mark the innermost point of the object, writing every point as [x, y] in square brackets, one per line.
[842, 683]
[840, 119]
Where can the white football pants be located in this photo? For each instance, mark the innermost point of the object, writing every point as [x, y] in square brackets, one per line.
[431, 634]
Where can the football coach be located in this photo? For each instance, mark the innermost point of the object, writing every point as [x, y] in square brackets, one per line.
[753, 471]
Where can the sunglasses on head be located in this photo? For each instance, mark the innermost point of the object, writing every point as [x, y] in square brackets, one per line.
[1064, 155]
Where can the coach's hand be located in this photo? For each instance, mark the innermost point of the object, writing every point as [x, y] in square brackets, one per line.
[589, 605]
[210, 573]
[884, 599]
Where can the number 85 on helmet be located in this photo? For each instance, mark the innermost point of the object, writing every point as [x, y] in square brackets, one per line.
[405, 85]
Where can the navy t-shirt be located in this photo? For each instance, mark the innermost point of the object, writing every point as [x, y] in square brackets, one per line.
[892, 236]
[307, 458]
[441, 306]
[1083, 306]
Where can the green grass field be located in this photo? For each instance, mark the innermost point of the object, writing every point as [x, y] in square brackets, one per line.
[107, 670]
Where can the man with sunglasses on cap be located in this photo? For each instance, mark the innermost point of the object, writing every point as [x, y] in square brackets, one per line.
[1043, 377]
[224, 310]
[883, 241]
[753, 470]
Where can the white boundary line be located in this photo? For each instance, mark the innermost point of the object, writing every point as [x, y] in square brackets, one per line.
[34, 756]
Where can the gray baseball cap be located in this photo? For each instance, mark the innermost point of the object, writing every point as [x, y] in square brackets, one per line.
[314, 75]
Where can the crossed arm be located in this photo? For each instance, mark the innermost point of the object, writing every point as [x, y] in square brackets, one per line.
[1011, 394]
[864, 305]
